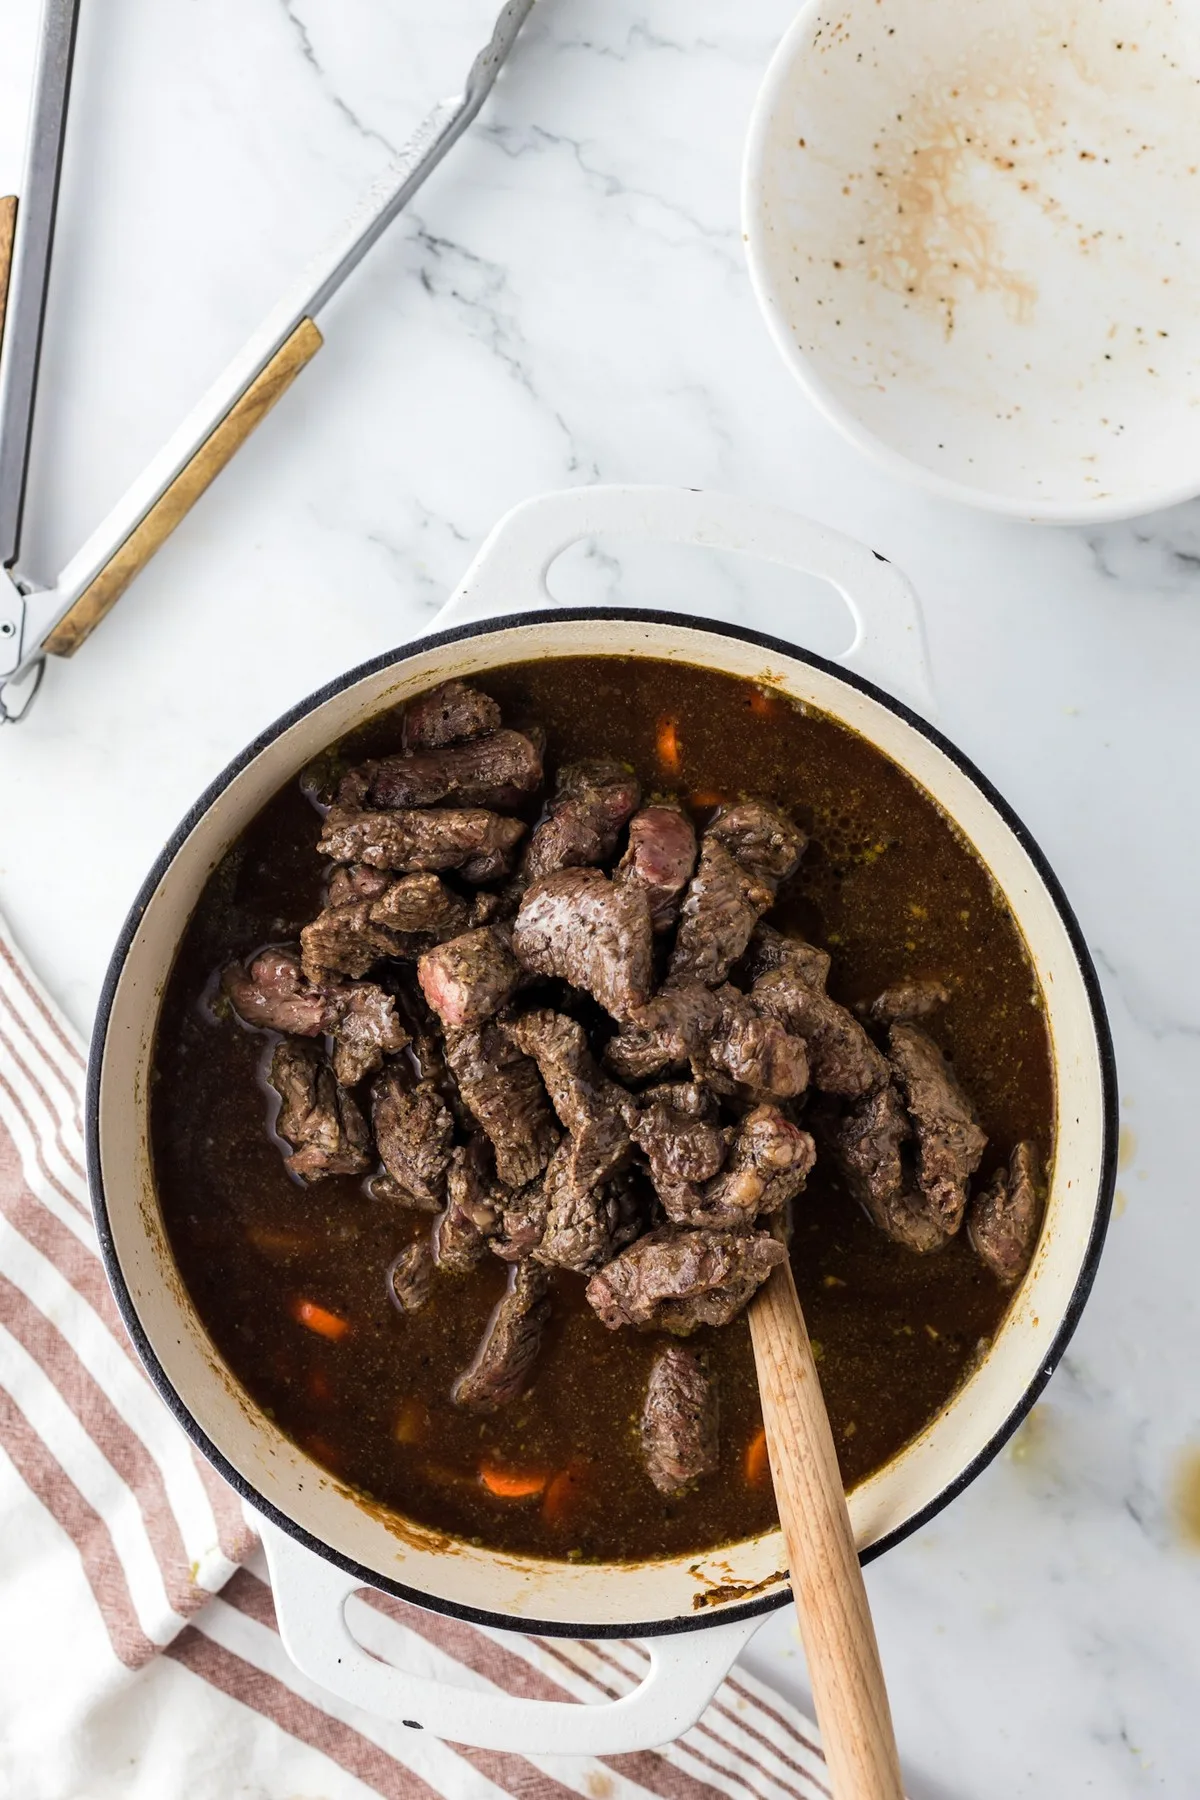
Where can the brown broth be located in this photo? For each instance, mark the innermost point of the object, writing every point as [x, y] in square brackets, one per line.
[886, 884]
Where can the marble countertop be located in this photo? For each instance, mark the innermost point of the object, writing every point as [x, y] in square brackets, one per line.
[567, 302]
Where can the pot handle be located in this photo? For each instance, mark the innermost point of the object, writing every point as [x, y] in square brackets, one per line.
[509, 573]
[310, 1599]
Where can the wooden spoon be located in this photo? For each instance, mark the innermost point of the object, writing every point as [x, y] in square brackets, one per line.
[827, 1584]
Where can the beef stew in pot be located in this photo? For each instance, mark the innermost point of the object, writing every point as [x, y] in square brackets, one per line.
[500, 1047]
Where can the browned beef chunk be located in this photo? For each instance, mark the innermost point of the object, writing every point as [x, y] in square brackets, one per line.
[504, 1362]
[458, 1245]
[584, 1211]
[950, 1142]
[1003, 1219]
[691, 1098]
[752, 1053]
[410, 1278]
[679, 1420]
[489, 909]
[345, 940]
[420, 907]
[767, 1166]
[361, 1018]
[672, 1280]
[427, 1048]
[386, 1189]
[577, 926]
[592, 801]
[771, 949]
[490, 865]
[318, 1118]
[523, 1218]
[574, 1185]
[842, 1058]
[868, 1146]
[913, 998]
[413, 1133]
[867, 1142]
[679, 1133]
[632, 1208]
[318, 780]
[451, 714]
[575, 1234]
[720, 1032]
[472, 1215]
[665, 1033]
[501, 769]
[478, 843]
[594, 1110]
[466, 980]
[353, 788]
[275, 996]
[721, 908]
[503, 1092]
[659, 858]
[762, 838]
[744, 855]
[366, 1028]
[357, 882]
[585, 1225]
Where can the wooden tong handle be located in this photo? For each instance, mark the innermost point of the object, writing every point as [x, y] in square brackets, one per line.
[8, 231]
[831, 1600]
[106, 588]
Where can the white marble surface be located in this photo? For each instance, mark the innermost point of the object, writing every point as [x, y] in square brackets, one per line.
[567, 302]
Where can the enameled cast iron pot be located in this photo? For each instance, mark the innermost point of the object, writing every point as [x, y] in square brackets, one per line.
[321, 1541]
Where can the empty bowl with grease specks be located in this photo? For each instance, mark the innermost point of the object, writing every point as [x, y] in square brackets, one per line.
[972, 229]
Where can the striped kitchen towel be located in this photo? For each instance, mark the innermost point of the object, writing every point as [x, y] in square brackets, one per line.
[139, 1653]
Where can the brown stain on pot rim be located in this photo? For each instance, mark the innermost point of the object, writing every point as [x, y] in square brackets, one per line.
[724, 1593]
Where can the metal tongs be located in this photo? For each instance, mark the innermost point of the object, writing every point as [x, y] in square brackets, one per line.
[39, 621]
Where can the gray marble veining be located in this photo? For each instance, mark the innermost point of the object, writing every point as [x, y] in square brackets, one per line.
[567, 303]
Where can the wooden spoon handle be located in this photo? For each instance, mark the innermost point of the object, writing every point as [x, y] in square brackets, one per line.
[831, 1600]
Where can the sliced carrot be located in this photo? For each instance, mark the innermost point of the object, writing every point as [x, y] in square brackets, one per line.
[666, 743]
[762, 704]
[511, 1484]
[319, 1319]
[701, 799]
[562, 1494]
[757, 1464]
[413, 1423]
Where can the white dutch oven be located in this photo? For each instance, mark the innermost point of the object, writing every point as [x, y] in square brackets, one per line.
[321, 1542]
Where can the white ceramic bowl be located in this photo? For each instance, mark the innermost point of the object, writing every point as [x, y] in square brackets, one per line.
[972, 229]
[323, 1542]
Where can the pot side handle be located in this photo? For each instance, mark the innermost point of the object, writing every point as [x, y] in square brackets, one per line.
[509, 573]
[310, 1599]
